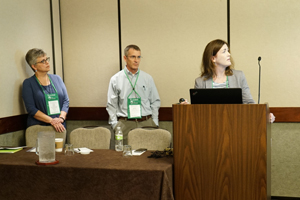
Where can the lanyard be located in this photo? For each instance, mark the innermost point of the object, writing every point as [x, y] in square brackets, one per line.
[134, 105]
[41, 85]
[133, 87]
[52, 100]
[226, 82]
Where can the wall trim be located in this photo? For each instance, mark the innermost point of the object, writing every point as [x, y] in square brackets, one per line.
[284, 198]
[18, 122]
[286, 114]
[52, 36]
[120, 34]
[100, 113]
[282, 114]
[12, 124]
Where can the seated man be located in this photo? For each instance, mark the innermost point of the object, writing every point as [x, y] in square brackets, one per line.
[132, 99]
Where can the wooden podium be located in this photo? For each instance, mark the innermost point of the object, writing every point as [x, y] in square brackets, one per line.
[222, 152]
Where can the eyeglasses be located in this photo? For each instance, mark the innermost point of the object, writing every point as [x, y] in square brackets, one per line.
[44, 61]
[134, 57]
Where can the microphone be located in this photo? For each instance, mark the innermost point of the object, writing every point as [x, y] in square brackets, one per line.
[259, 59]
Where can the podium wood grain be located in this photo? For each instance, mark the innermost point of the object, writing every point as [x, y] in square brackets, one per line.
[221, 152]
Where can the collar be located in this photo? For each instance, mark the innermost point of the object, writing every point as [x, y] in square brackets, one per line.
[208, 82]
[129, 72]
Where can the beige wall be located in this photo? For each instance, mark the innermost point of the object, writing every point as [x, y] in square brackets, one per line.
[172, 35]
[269, 29]
[171, 39]
[24, 25]
[90, 49]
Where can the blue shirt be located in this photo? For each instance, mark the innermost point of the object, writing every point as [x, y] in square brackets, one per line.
[34, 98]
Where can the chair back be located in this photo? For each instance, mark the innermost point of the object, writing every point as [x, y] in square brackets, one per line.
[31, 134]
[93, 138]
[154, 139]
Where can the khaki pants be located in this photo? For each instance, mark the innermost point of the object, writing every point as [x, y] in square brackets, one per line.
[127, 125]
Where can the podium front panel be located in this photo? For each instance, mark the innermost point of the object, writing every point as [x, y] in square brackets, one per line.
[221, 152]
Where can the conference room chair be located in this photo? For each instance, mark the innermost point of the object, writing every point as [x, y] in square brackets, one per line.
[151, 139]
[31, 134]
[92, 138]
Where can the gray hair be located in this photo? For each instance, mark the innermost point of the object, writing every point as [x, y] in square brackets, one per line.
[32, 56]
[132, 46]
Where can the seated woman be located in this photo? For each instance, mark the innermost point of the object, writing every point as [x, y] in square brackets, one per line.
[45, 95]
[217, 72]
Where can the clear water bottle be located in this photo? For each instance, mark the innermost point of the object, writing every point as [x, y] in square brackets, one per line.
[119, 139]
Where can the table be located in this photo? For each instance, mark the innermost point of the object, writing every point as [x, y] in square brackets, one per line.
[103, 174]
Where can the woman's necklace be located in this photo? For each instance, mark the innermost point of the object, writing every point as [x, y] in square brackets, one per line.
[220, 79]
[44, 82]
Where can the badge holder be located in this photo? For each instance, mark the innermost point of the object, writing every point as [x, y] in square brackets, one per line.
[52, 103]
[134, 108]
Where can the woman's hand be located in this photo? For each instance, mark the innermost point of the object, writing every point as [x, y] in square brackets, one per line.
[59, 127]
[272, 118]
[57, 121]
[184, 102]
[57, 124]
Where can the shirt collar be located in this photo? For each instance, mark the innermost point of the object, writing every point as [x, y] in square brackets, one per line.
[129, 73]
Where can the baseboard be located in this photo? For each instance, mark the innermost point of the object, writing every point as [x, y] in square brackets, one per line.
[284, 198]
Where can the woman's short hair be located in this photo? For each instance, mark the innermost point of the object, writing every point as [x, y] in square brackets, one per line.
[207, 65]
[132, 46]
[32, 56]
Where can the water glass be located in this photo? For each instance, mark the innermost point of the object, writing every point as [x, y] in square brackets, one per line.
[69, 150]
[127, 151]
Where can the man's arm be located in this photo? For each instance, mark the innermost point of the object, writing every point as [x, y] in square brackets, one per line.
[112, 103]
[154, 102]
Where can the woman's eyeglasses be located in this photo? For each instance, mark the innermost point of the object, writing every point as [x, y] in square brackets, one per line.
[44, 61]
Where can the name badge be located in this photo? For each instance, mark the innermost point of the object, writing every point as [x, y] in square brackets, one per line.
[52, 103]
[134, 108]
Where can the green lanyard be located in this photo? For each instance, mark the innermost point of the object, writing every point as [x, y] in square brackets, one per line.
[42, 87]
[226, 82]
[133, 87]
[52, 100]
[134, 105]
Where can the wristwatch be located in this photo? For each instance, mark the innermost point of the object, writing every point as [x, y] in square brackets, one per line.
[62, 119]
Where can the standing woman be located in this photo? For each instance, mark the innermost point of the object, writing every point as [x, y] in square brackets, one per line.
[45, 95]
[217, 70]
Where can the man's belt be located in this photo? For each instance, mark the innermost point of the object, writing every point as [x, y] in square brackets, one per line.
[137, 120]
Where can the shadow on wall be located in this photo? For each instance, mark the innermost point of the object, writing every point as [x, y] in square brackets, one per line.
[24, 71]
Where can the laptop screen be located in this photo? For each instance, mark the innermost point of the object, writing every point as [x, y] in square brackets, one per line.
[216, 96]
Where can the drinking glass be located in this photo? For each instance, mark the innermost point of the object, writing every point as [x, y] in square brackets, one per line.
[69, 150]
[127, 150]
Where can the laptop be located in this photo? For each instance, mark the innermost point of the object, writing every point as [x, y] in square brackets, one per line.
[216, 96]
